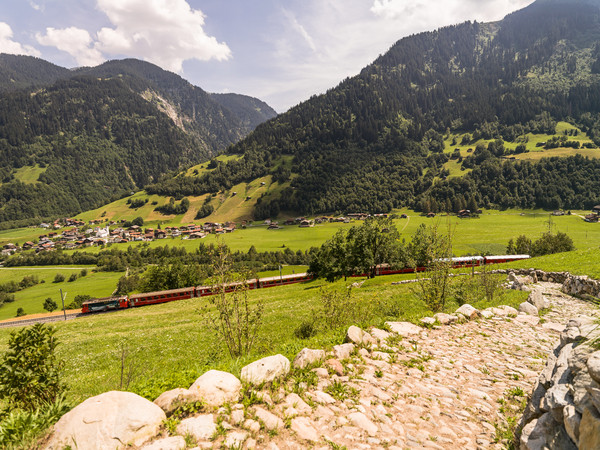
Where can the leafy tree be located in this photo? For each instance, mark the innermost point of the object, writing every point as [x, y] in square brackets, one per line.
[58, 278]
[50, 305]
[30, 371]
[332, 261]
[138, 221]
[20, 312]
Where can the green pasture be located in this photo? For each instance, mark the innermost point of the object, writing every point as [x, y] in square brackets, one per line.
[171, 345]
[96, 284]
[29, 174]
[20, 235]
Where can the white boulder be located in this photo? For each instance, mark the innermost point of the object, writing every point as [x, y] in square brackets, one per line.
[404, 329]
[266, 370]
[216, 388]
[308, 357]
[108, 421]
[468, 311]
[171, 400]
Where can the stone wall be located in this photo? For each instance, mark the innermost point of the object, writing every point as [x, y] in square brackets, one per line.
[564, 409]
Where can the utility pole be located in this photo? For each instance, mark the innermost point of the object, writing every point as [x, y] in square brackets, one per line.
[62, 299]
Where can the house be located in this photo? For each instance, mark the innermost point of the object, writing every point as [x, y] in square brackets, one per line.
[307, 224]
[558, 212]
[289, 222]
[596, 210]
[197, 235]
[273, 226]
[463, 213]
[28, 245]
[430, 215]
[592, 218]
[403, 216]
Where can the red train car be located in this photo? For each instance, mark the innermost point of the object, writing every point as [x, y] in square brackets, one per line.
[152, 298]
[104, 304]
[283, 280]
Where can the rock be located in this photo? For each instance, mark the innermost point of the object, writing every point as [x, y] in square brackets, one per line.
[359, 336]
[536, 298]
[529, 320]
[557, 327]
[170, 443]
[593, 366]
[572, 420]
[508, 310]
[270, 420]
[171, 400]
[487, 313]
[336, 366]
[216, 388]
[237, 416]
[361, 421]
[236, 439]
[528, 308]
[296, 402]
[106, 421]
[404, 329]
[324, 398]
[445, 319]
[557, 397]
[266, 370]
[308, 357]
[303, 427]
[321, 372]
[380, 335]
[589, 430]
[252, 425]
[429, 321]
[343, 351]
[468, 311]
[202, 427]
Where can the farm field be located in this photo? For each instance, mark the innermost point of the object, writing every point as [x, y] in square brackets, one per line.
[175, 345]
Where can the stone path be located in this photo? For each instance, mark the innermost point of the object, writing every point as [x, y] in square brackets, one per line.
[445, 388]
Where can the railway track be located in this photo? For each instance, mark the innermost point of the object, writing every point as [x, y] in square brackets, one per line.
[26, 322]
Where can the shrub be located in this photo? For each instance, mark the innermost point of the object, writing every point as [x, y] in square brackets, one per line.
[78, 301]
[20, 312]
[72, 277]
[83, 273]
[305, 330]
[50, 305]
[59, 278]
[30, 370]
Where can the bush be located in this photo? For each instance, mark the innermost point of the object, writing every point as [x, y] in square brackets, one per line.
[78, 301]
[83, 273]
[305, 330]
[20, 312]
[50, 305]
[30, 370]
[72, 277]
[59, 278]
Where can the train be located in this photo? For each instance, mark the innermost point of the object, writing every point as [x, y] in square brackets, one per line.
[151, 298]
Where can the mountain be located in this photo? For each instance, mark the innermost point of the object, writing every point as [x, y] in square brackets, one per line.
[251, 111]
[379, 140]
[19, 72]
[73, 140]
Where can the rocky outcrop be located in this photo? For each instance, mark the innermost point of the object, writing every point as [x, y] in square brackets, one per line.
[107, 421]
[563, 411]
[583, 287]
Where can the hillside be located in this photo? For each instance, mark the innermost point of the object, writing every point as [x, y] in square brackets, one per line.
[251, 111]
[71, 141]
[377, 141]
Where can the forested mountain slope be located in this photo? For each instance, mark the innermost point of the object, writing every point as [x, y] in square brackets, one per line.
[94, 134]
[377, 140]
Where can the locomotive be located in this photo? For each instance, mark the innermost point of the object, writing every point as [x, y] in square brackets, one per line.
[151, 298]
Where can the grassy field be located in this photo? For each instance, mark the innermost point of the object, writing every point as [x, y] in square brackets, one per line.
[29, 174]
[96, 284]
[175, 345]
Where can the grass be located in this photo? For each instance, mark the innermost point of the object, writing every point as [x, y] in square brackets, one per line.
[29, 174]
[96, 284]
[171, 348]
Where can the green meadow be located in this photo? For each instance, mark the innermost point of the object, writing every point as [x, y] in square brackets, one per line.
[170, 344]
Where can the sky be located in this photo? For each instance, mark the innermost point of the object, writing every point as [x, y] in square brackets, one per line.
[281, 51]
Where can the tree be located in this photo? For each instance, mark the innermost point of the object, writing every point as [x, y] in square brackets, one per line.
[376, 241]
[30, 371]
[50, 305]
[332, 260]
[20, 312]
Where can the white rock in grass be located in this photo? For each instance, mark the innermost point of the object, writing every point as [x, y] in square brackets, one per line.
[359, 336]
[528, 308]
[266, 370]
[171, 400]
[468, 311]
[202, 427]
[404, 329]
[170, 443]
[106, 421]
[308, 357]
[343, 351]
[216, 388]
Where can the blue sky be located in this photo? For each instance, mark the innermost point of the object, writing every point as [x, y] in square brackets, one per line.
[281, 51]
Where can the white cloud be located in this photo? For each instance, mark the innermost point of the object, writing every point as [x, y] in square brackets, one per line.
[75, 41]
[165, 32]
[7, 45]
